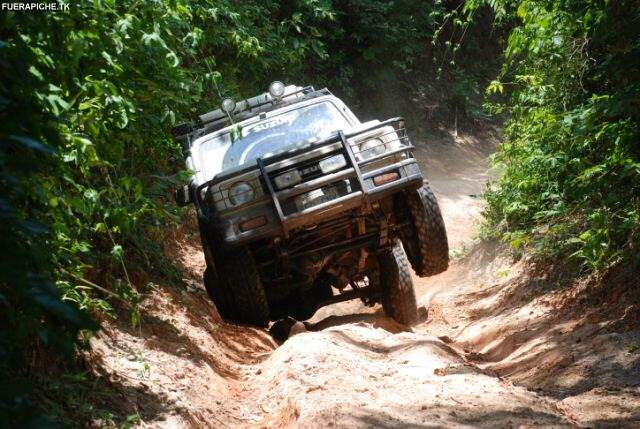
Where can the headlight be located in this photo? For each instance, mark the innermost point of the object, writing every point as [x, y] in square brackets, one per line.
[240, 193]
[333, 163]
[371, 148]
[290, 178]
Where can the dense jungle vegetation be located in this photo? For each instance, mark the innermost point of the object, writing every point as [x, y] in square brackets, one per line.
[87, 98]
[570, 184]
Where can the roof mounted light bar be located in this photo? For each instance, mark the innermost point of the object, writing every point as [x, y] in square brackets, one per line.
[249, 104]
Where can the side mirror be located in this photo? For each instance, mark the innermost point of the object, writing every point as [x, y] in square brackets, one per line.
[183, 196]
[181, 135]
[181, 130]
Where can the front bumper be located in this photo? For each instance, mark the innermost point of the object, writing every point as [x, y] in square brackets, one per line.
[283, 216]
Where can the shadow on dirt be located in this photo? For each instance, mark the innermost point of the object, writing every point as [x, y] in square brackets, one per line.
[161, 332]
[283, 329]
[537, 281]
[119, 403]
[631, 421]
[144, 404]
[448, 416]
[162, 335]
[376, 320]
[560, 336]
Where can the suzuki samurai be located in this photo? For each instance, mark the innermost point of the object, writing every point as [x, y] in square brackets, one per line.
[302, 205]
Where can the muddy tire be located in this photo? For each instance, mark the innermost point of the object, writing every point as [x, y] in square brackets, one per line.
[216, 292]
[240, 296]
[425, 239]
[398, 295]
[213, 285]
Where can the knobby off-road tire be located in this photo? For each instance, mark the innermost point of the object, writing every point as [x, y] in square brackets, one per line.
[426, 238]
[238, 293]
[398, 295]
[218, 293]
[212, 283]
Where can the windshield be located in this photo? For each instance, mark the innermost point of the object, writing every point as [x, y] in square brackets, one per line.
[288, 130]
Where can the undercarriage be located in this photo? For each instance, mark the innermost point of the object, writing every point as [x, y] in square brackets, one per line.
[327, 263]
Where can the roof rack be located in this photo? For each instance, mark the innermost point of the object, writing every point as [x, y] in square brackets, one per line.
[290, 91]
[217, 119]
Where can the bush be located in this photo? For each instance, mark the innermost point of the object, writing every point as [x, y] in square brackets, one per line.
[570, 163]
[86, 101]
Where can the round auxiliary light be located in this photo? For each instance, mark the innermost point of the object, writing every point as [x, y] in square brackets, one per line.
[241, 193]
[276, 89]
[228, 105]
[371, 148]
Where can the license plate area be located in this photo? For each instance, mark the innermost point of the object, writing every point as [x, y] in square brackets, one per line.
[318, 196]
[315, 197]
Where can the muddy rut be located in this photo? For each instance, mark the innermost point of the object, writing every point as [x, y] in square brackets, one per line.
[486, 354]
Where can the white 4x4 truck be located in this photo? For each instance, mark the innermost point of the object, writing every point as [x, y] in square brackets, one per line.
[301, 205]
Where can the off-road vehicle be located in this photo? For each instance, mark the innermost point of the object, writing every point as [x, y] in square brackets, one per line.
[301, 205]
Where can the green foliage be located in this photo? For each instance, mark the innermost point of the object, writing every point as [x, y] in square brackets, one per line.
[86, 101]
[398, 56]
[571, 159]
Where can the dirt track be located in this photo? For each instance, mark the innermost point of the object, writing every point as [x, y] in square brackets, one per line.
[488, 355]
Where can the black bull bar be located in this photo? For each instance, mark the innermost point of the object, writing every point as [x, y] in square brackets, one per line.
[353, 171]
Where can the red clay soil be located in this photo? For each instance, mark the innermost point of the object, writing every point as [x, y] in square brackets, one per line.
[505, 344]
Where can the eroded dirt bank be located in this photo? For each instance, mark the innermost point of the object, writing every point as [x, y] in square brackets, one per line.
[501, 347]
